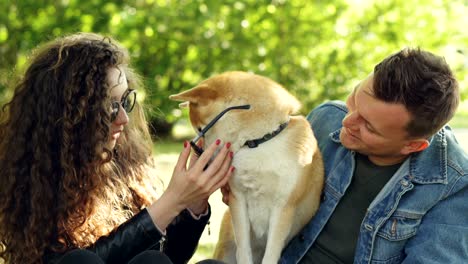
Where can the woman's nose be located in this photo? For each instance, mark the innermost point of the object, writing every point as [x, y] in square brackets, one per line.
[122, 117]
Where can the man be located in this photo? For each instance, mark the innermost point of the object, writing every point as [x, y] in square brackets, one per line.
[396, 186]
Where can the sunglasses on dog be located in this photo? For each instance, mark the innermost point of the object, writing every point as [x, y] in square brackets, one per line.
[203, 131]
[127, 103]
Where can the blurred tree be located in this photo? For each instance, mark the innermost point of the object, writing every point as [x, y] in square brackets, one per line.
[316, 49]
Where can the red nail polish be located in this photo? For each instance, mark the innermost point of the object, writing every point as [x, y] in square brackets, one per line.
[231, 154]
[218, 141]
[185, 144]
[228, 145]
[232, 168]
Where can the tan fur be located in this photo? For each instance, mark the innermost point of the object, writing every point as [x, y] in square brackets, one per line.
[276, 187]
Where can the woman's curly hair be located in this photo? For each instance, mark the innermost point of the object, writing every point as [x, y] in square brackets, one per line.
[60, 187]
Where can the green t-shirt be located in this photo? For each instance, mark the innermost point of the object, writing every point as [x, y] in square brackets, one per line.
[337, 241]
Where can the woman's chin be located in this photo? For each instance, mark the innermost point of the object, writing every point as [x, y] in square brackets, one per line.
[111, 144]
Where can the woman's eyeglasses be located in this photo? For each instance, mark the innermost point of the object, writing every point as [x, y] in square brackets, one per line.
[203, 131]
[127, 103]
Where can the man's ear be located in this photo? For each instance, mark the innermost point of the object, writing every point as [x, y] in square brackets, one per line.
[415, 145]
[197, 95]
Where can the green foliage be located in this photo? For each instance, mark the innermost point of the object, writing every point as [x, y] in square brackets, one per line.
[317, 49]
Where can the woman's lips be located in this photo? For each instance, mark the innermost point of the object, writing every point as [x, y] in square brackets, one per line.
[116, 134]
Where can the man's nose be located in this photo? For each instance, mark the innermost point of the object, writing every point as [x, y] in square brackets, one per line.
[352, 120]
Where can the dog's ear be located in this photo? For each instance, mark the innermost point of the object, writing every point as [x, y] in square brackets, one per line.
[184, 104]
[198, 95]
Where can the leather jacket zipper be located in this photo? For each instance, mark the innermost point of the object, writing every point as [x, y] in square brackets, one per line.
[162, 243]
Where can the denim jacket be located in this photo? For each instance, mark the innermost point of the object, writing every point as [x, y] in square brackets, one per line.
[420, 215]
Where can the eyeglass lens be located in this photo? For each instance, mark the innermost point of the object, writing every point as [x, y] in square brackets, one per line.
[128, 102]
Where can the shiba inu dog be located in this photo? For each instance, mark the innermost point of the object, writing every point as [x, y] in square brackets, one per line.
[278, 179]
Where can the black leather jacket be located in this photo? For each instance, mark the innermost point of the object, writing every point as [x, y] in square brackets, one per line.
[139, 234]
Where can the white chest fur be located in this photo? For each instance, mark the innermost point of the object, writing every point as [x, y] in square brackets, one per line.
[262, 189]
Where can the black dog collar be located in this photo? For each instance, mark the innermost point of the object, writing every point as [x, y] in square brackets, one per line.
[255, 142]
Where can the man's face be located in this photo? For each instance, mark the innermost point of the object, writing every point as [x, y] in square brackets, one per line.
[375, 128]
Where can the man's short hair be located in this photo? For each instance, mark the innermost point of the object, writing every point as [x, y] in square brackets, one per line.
[423, 83]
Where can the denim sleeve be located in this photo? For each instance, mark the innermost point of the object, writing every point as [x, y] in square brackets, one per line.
[326, 118]
[443, 234]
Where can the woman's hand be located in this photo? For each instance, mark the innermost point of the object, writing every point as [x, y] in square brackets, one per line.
[191, 187]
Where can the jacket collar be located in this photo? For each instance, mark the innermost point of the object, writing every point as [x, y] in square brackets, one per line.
[426, 167]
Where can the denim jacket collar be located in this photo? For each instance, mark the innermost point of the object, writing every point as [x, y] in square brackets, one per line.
[422, 169]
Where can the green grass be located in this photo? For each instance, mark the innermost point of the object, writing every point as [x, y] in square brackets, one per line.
[167, 146]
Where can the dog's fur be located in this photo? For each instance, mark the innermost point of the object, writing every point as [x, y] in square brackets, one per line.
[276, 187]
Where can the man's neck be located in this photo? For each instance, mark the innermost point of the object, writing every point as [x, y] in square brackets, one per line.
[386, 161]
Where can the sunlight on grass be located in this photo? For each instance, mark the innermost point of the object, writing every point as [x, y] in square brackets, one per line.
[168, 146]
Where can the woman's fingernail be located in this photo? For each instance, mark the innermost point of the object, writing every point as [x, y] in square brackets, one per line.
[228, 145]
[185, 144]
[218, 141]
[232, 169]
[231, 154]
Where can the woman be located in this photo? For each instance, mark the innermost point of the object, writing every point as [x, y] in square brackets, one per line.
[76, 166]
